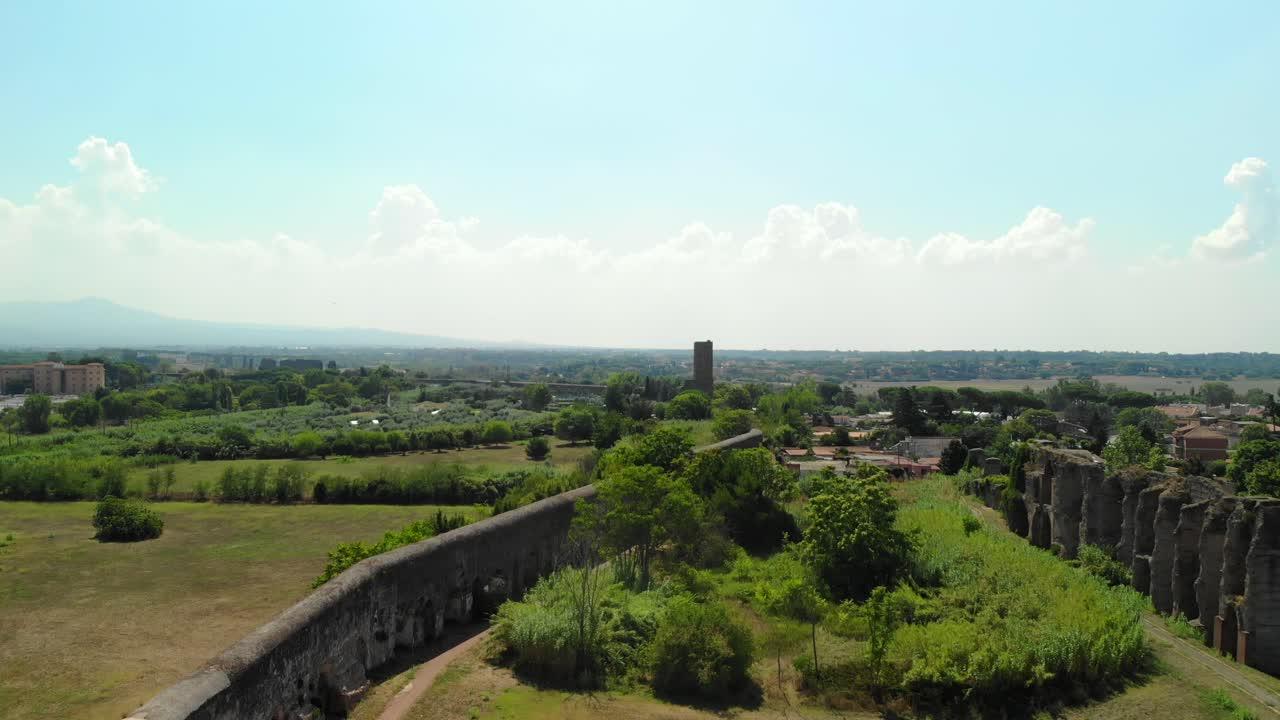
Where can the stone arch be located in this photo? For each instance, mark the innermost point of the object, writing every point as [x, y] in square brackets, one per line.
[1039, 534]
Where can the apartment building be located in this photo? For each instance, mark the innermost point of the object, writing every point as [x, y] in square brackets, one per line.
[52, 378]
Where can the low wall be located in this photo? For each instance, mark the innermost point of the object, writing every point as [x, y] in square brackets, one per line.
[314, 658]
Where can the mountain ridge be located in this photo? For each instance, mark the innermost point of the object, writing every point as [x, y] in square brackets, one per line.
[92, 322]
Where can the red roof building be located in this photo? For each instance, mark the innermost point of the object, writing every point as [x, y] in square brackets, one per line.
[1200, 442]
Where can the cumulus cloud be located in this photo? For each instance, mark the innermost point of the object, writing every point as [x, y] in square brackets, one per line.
[1254, 223]
[696, 242]
[425, 270]
[830, 229]
[1044, 235]
[111, 165]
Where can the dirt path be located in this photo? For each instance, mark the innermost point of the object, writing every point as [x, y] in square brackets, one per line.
[1194, 659]
[426, 675]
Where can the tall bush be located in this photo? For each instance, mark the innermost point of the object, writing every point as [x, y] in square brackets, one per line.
[700, 650]
[118, 520]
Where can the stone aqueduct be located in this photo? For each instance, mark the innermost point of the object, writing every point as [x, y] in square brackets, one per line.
[316, 656]
[1193, 545]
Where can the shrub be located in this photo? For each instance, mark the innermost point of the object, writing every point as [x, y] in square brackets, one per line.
[1099, 563]
[577, 629]
[700, 650]
[537, 448]
[347, 554]
[201, 490]
[1220, 699]
[118, 520]
[730, 423]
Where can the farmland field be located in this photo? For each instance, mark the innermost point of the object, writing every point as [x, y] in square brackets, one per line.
[1140, 383]
[498, 458]
[91, 630]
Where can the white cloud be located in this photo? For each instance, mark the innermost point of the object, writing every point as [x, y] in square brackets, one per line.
[417, 268]
[696, 242]
[1254, 223]
[829, 230]
[1044, 235]
[112, 166]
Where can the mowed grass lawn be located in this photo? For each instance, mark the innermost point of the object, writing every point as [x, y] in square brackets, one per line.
[92, 630]
[498, 458]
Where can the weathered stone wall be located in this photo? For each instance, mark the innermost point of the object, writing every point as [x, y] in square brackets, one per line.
[314, 658]
[1192, 545]
[316, 655]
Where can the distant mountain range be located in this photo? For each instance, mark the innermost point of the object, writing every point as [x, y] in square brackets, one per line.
[94, 322]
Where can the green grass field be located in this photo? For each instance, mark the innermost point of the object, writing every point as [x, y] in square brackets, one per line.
[498, 458]
[91, 630]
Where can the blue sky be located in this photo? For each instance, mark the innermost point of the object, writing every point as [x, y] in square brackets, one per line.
[604, 130]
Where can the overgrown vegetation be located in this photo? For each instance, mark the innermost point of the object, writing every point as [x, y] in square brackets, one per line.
[347, 554]
[982, 630]
[1220, 700]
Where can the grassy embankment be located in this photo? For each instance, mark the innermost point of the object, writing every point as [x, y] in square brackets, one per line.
[1048, 608]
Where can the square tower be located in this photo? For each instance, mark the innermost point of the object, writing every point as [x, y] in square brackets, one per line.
[702, 376]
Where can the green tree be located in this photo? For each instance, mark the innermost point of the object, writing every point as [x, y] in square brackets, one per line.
[883, 613]
[536, 397]
[851, 540]
[537, 448]
[795, 596]
[117, 407]
[608, 430]
[827, 391]
[1127, 449]
[306, 444]
[1255, 431]
[954, 456]
[621, 389]
[1152, 423]
[496, 432]
[689, 405]
[730, 396]
[639, 510]
[1217, 393]
[35, 414]
[906, 413]
[82, 412]
[236, 437]
[664, 448]
[1249, 455]
[840, 436]
[1264, 478]
[1044, 421]
[338, 393]
[730, 423]
[575, 423]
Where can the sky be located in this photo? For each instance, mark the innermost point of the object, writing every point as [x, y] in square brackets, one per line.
[1086, 175]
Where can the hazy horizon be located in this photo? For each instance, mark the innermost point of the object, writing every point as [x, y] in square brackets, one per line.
[639, 176]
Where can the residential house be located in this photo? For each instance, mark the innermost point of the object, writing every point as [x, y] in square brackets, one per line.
[1200, 441]
[918, 447]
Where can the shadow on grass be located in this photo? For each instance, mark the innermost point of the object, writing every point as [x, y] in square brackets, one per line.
[406, 658]
[749, 697]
